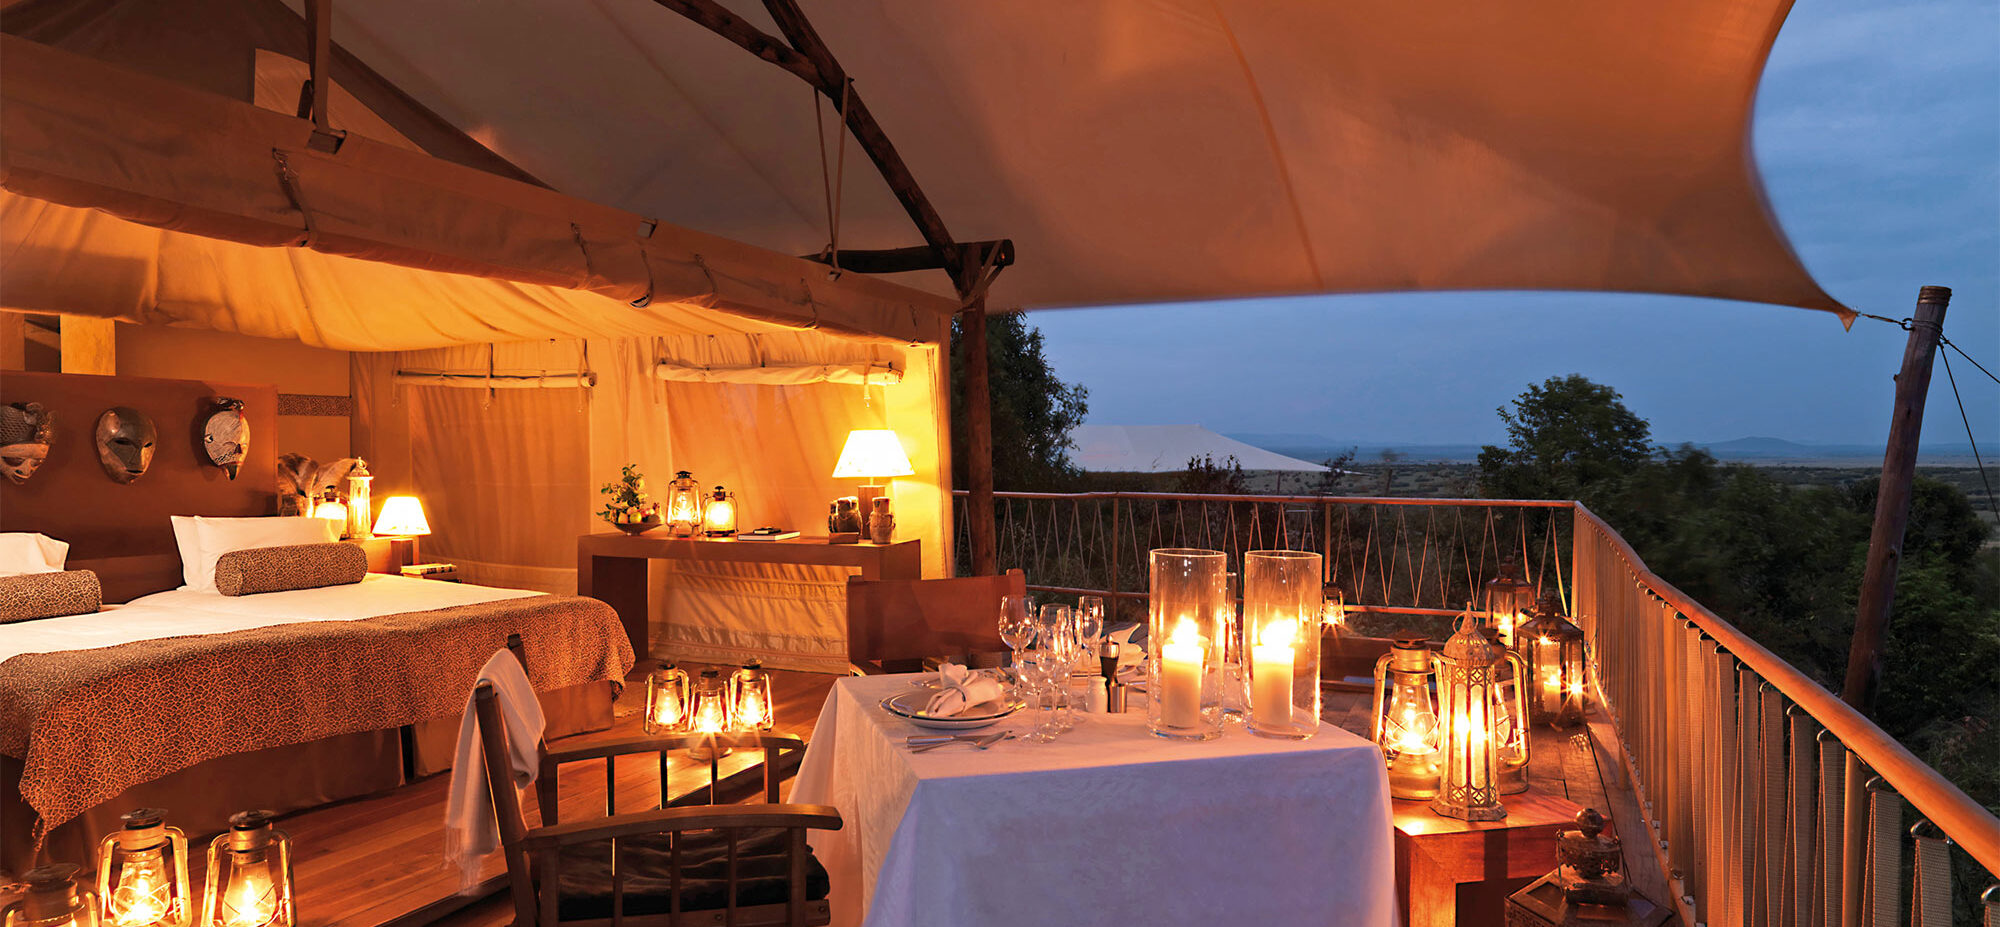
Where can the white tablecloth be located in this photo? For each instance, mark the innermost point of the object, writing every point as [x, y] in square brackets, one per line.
[1108, 825]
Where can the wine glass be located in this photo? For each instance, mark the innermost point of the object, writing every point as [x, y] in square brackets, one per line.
[1057, 635]
[1017, 626]
[1043, 672]
[1090, 624]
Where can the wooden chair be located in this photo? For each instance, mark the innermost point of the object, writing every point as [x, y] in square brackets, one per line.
[675, 865]
[891, 622]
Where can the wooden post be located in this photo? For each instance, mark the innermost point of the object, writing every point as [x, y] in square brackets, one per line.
[979, 441]
[1892, 502]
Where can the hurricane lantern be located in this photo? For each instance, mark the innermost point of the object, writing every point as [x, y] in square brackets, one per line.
[708, 714]
[684, 504]
[1554, 649]
[1467, 671]
[1508, 596]
[666, 699]
[360, 509]
[249, 881]
[718, 515]
[51, 899]
[142, 874]
[1333, 610]
[1510, 716]
[1282, 615]
[750, 697]
[1405, 721]
[1185, 638]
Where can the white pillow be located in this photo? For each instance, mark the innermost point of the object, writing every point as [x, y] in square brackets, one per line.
[203, 540]
[27, 552]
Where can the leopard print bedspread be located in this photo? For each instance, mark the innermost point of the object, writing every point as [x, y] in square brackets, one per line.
[88, 724]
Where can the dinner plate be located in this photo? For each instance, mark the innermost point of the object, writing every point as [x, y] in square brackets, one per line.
[910, 707]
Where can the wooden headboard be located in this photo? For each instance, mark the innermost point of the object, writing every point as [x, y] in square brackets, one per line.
[121, 530]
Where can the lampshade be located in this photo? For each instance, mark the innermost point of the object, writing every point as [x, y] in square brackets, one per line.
[402, 517]
[872, 453]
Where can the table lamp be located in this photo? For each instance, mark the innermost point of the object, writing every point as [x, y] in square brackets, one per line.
[872, 454]
[402, 522]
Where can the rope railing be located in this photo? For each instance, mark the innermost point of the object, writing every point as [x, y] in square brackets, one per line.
[1769, 800]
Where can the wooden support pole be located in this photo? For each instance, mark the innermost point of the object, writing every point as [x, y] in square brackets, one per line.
[920, 257]
[319, 39]
[979, 513]
[1892, 502]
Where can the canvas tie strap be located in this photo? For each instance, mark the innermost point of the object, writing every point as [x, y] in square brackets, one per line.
[831, 182]
[295, 192]
[1930, 888]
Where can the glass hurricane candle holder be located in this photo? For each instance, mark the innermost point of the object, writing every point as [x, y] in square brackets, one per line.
[52, 899]
[142, 875]
[1510, 717]
[1282, 610]
[1554, 655]
[709, 714]
[750, 698]
[1404, 719]
[1508, 596]
[718, 518]
[249, 881]
[684, 504]
[1470, 764]
[360, 506]
[666, 699]
[1185, 640]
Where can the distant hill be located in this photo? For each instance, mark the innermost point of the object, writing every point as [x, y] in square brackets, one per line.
[1755, 450]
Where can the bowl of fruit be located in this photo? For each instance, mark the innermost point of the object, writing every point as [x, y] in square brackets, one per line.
[628, 509]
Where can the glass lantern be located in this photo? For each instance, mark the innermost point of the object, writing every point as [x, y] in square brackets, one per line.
[1470, 760]
[1554, 654]
[52, 900]
[1508, 597]
[1333, 611]
[249, 882]
[1404, 719]
[750, 698]
[719, 516]
[1185, 641]
[684, 505]
[666, 699]
[333, 511]
[1229, 649]
[142, 875]
[709, 714]
[1282, 610]
[360, 508]
[1510, 716]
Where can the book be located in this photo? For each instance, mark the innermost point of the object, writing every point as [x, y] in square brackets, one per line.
[766, 534]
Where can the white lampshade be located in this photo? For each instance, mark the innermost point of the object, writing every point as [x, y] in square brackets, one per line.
[402, 517]
[872, 453]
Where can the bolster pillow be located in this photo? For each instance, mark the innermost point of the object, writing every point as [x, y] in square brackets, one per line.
[49, 595]
[294, 566]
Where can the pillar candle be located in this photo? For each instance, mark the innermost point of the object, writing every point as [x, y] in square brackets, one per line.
[1271, 674]
[1181, 664]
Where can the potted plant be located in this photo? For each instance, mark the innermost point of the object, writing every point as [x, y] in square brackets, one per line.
[628, 509]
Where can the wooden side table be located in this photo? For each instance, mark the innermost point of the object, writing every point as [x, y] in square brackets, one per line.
[1435, 854]
[611, 566]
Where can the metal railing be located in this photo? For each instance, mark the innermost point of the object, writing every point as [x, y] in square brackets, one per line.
[1767, 800]
[1770, 801]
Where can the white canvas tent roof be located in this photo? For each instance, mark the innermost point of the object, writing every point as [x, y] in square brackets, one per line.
[1168, 448]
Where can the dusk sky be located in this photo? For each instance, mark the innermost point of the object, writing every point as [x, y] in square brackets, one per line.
[1878, 135]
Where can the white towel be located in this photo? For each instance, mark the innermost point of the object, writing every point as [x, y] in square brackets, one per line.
[961, 688]
[471, 829]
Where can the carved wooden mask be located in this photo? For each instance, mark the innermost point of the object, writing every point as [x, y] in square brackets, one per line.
[125, 439]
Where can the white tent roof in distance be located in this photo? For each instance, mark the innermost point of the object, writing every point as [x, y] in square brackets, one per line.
[1167, 448]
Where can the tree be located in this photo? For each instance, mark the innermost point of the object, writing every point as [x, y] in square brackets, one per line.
[1563, 436]
[1033, 410]
[1328, 482]
[1203, 475]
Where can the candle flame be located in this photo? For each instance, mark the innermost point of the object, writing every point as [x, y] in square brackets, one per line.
[750, 711]
[1185, 632]
[250, 900]
[140, 898]
[1282, 632]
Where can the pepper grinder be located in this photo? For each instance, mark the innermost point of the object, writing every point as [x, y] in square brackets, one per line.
[1114, 691]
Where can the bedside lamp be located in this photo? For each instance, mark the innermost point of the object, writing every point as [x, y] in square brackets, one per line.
[402, 521]
[872, 454]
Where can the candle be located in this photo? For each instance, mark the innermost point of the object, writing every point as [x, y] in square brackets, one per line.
[1474, 731]
[1182, 661]
[1271, 674]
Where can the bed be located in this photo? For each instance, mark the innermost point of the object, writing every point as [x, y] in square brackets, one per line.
[205, 704]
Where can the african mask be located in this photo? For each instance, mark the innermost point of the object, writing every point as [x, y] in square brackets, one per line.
[125, 438]
[226, 435]
[26, 431]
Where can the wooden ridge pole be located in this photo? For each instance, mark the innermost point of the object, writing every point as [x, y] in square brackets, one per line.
[1892, 502]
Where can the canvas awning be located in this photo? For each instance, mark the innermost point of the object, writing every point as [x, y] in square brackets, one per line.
[116, 205]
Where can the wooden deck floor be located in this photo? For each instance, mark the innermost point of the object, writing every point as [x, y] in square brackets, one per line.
[379, 860]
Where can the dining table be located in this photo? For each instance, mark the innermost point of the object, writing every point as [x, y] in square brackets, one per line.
[1108, 824]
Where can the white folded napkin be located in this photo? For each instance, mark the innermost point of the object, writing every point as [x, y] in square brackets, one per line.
[960, 688]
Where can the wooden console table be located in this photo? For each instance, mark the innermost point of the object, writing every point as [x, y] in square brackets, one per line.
[1435, 855]
[611, 566]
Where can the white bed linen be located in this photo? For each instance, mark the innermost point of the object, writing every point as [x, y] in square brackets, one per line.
[182, 612]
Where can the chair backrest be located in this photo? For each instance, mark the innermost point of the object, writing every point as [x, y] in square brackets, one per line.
[499, 781]
[913, 619]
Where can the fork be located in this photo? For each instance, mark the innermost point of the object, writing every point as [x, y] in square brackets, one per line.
[981, 741]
